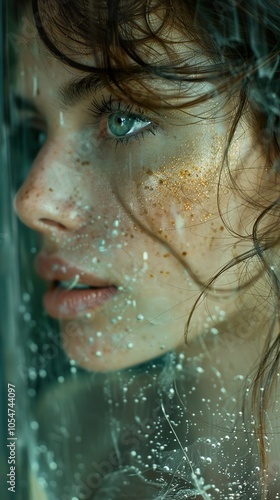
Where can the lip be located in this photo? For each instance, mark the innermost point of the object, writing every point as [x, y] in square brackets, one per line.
[61, 303]
[55, 269]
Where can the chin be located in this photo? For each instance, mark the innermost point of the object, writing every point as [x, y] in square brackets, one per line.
[106, 361]
[109, 352]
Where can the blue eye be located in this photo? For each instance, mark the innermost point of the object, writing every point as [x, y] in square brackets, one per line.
[124, 124]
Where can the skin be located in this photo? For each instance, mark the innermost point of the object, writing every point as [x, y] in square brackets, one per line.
[162, 191]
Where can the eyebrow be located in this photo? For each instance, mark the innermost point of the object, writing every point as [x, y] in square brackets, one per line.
[24, 104]
[79, 89]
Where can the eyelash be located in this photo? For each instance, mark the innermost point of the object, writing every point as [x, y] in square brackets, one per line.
[105, 107]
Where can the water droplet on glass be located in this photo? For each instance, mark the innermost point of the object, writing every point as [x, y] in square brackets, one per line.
[34, 425]
[200, 369]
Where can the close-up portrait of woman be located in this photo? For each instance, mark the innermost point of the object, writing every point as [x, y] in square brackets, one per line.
[145, 162]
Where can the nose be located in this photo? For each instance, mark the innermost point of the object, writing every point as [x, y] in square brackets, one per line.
[44, 202]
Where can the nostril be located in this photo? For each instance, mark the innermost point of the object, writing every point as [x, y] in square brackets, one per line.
[52, 223]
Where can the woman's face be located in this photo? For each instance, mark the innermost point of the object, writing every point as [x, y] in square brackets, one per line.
[125, 202]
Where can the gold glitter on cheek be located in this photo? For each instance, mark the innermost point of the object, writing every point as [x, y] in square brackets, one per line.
[186, 183]
[186, 186]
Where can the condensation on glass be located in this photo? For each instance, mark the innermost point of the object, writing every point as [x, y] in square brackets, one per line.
[167, 428]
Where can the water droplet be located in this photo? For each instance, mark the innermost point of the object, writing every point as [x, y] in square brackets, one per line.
[34, 425]
[61, 118]
[35, 86]
[140, 317]
[98, 354]
[214, 331]
[130, 345]
[200, 369]
[98, 334]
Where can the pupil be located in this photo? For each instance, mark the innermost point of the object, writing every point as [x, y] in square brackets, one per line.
[120, 125]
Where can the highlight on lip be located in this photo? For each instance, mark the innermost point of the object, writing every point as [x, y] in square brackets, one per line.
[61, 303]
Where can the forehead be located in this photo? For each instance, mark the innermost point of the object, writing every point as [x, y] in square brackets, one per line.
[138, 83]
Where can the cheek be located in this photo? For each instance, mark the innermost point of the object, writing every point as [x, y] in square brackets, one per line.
[175, 199]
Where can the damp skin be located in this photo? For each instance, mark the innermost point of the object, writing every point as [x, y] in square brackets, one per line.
[141, 216]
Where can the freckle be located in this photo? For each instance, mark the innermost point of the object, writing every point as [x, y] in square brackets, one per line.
[85, 162]
[166, 255]
[149, 171]
[222, 228]
[184, 253]
[131, 236]
[151, 275]
[51, 190]
[38, 92]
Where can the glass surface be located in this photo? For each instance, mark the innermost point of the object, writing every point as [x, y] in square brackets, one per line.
[14, 405]
[137, 306]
